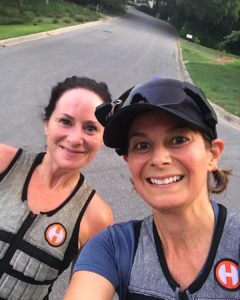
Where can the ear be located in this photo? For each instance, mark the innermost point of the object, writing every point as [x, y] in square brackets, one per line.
[125, 157]
[216, 149]
[46, 127]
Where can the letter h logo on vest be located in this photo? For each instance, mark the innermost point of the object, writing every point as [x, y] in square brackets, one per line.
[55, 234]
[227, 274]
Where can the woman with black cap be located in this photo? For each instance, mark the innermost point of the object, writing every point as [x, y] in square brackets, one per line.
[189, 247]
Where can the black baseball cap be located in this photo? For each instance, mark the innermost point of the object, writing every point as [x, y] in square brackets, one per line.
[180, 99]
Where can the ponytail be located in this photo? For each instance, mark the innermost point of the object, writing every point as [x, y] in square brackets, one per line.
[219, 181]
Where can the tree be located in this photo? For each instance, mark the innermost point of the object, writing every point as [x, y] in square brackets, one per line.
[20, 3]
[109, 5]
[210, 20]
[231, 43]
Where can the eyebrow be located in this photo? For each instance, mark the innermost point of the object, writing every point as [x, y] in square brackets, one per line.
[66, 115]
[71, 117]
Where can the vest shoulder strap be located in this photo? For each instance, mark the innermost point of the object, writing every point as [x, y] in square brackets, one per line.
[125, 268]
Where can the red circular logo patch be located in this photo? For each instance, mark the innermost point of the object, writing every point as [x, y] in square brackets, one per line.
[56, 234]
[227, 274]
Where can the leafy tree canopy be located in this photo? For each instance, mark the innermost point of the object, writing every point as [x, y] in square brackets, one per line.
[208, 20]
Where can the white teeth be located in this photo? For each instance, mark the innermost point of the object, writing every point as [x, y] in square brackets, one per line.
[165, 180]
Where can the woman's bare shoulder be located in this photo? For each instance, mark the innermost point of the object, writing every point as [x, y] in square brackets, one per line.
[7, 154]
[97, 217]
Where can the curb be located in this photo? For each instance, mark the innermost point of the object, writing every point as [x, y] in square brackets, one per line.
[221, 112]
[50, 33]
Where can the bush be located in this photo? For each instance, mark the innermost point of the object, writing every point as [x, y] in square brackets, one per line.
[79, 19]
[113, 5]
[10, 21]
[28, 17]
[146, 9]
[231, 43]
[55, 21]
[34, 10]
[67, 21]
[9, 11]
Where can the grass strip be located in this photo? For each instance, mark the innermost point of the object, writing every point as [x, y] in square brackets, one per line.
[216, 73]
[10, 31]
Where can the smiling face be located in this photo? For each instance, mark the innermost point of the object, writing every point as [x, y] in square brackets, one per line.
[73, 133]
[169, 163]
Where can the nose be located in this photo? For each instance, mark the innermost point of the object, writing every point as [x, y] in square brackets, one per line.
[160, 156]
[75, 136]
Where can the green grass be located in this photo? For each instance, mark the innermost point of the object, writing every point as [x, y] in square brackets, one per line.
[36, 16]
[9, 31]
[216, 73]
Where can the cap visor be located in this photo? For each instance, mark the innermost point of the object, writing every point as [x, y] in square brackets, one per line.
[117, 129]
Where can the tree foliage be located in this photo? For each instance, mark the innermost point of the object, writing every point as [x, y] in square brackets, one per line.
[231, 42]
[209, 20]
[109, 5]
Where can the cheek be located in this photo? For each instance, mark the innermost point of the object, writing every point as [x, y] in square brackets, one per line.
[52, 130]
[135, 166]
[54, 137]
[95, 143]
[196, 162]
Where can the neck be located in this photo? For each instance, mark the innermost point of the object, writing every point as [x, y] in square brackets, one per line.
[185, 228]
[55, 177]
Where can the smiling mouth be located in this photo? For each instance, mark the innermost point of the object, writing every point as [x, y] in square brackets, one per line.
[71, 150]
[165, 181]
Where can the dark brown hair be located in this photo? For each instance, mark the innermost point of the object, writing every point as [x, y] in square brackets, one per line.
[74, 82]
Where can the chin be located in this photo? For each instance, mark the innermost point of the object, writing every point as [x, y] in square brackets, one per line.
[69, 166]
[165, 205]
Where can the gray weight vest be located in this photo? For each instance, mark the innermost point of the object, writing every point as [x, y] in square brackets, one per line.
[150, 278]
[35, 249]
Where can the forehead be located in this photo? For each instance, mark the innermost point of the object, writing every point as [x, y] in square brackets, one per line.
[78, 98]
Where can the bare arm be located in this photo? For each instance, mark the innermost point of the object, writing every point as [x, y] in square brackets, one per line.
[7, 154]
[86, 285]
[97, 217]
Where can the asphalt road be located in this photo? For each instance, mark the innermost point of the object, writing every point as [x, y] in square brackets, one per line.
[121, 51]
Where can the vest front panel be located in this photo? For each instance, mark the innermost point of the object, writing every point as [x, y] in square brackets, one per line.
[148, 279]
[35, 249]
